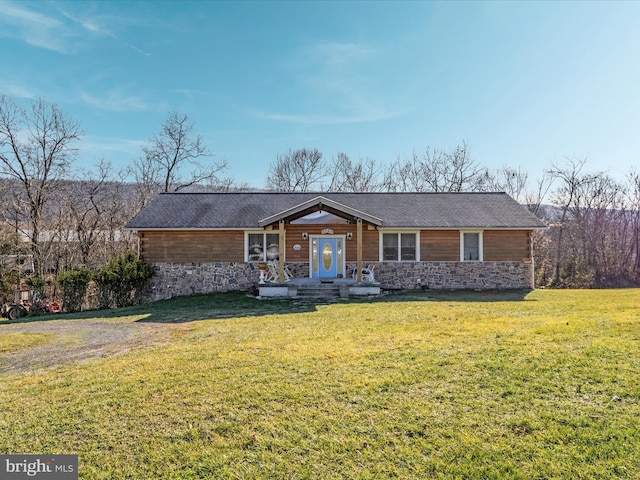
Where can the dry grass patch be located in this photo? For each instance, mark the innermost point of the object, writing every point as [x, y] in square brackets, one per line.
[10, 342]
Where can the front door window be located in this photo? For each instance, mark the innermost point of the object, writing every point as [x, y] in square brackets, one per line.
[327, 255]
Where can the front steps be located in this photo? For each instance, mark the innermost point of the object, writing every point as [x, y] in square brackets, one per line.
[320, 290]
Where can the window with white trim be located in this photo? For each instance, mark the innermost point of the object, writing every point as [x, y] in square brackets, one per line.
[399, 247]
[471, 246]
[261, 247]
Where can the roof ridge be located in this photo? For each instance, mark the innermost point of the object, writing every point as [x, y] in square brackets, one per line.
[332, 193]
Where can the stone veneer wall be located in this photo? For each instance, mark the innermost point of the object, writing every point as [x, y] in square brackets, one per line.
[179, 279]
[453, 275]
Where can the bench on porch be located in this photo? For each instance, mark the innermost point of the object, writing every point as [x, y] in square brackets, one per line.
[272, 273]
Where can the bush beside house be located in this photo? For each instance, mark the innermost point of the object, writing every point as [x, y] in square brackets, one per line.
[118, 284]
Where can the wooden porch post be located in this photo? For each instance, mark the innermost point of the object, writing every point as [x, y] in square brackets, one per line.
[281, 247]
[359, 250]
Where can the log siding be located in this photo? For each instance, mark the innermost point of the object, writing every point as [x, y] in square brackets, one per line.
[505, 246]
[180, 246]
[183, 246]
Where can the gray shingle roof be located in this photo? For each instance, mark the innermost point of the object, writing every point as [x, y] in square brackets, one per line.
[396, 210]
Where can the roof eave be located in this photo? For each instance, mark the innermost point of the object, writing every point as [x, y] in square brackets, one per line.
[187, 229]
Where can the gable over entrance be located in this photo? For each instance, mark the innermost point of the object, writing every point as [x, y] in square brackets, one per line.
[319, 204]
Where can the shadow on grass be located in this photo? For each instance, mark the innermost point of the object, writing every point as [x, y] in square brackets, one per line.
[240, 304]
[468, 295]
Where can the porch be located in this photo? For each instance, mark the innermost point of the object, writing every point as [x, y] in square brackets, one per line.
[319, 288]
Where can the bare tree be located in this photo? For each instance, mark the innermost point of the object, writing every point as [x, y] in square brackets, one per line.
[570, 178]
[592, 234]
[118, 208]
[145, 173]
[438, 171]
[173, 160]
[299, 170]
[404, 176]
[599, 238]
[37, 147]
[84, 206]
[455, 171]
[226, 185]
[348, 176]
[633, 215]
[512, 181]
[534, 199]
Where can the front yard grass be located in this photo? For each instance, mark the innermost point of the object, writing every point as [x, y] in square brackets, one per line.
[424, 385]
[16, 341]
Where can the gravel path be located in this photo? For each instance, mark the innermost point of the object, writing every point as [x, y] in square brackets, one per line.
[76, 340]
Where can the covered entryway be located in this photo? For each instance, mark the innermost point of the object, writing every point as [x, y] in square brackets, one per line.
[327, 251]
[327, 257]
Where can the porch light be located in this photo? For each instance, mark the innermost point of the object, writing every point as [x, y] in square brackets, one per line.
[349, 236]
[305, 235]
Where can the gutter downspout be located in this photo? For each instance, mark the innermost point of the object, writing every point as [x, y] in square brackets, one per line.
[359, 251]
[281, 247]
[533, 263]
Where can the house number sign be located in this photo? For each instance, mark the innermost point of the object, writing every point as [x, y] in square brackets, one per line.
[326, 231]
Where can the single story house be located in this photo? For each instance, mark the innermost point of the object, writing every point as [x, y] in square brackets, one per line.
[207, 242]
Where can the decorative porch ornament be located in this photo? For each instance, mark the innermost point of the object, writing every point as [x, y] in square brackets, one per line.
[262, 267]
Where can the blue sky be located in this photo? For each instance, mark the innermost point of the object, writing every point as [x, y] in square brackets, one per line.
[523, 83]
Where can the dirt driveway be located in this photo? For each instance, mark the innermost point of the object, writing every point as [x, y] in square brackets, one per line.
[75, 340]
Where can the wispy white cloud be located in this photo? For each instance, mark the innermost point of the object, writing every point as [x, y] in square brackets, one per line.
[89, 24]
[102, 145]
[321, 119]
[337, 54]
[33, 27]
[118, 151]
[103, 26]
[16, 14]
[191, 93]
[335, 82]
[336, 68]
[17, 91]
[59, 29]
[118, 100]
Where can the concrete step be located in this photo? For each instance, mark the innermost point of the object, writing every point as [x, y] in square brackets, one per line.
[320, 290]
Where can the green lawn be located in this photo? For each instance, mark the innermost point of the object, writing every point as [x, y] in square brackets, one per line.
[428, 385]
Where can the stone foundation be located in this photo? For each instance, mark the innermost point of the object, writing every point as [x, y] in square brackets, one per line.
[179, 279]
[454, 275]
